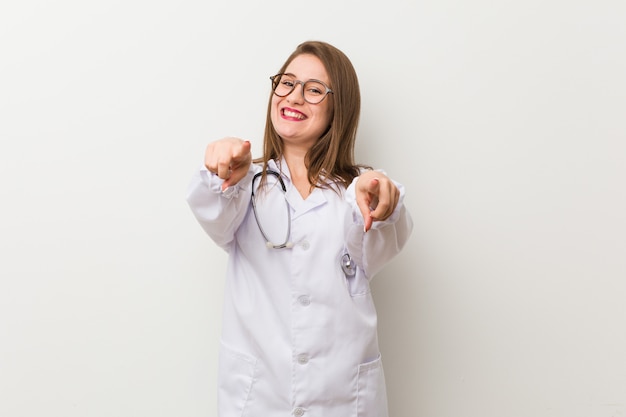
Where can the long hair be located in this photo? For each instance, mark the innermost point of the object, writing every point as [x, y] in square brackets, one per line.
[331, 158]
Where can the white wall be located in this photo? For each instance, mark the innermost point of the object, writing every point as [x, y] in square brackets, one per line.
[505, 120]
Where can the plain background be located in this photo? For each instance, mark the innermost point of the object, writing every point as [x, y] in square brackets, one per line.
[504, 119]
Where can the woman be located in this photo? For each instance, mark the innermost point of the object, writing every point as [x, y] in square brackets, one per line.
[305, 229]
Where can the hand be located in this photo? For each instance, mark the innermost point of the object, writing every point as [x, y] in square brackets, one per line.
[377, 197]
[229, 158]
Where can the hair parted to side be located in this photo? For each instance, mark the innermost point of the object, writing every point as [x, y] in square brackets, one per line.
[331, 159]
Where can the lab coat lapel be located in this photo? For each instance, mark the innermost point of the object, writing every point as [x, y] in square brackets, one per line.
[299, 205]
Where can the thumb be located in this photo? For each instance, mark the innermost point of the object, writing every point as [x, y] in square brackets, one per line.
[242, 154]
[373, 188]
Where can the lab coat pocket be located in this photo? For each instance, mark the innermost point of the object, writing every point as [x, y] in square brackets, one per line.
[237, 373]
[371, 392]
[358, 284]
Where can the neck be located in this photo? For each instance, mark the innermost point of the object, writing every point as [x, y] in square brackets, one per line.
[298, 171]
[295, 161]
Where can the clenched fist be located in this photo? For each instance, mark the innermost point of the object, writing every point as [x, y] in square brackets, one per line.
[229, 158]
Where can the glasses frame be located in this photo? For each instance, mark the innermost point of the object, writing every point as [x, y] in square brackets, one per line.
[295, 83]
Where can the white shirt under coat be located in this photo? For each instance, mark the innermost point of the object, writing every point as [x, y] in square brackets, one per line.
[299, 336]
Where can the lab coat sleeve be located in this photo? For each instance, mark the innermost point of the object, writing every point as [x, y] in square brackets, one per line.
[372, 250]
[220, 213]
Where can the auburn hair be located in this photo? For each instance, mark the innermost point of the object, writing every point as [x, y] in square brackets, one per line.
[331, 159]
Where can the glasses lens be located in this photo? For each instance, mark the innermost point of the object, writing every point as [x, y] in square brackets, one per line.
[283, 84]
[314, 91]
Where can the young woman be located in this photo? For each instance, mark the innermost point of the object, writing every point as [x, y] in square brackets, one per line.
[306, 229]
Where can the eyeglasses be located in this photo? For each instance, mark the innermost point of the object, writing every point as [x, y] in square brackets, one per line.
[313, 91]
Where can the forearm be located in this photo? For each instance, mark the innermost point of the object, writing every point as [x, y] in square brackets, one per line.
[219, 212]
[372, 250]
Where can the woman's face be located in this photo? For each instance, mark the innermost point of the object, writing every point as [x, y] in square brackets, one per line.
[295, 120]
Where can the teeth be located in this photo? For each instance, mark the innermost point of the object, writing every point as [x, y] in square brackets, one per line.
[293, 114]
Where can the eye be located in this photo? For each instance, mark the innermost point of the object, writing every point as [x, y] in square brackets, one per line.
[287, 81]
[315, 88]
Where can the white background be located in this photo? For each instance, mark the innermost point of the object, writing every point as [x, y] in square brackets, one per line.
[504, 119]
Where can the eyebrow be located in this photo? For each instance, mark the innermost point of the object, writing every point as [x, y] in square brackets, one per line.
[310, 79]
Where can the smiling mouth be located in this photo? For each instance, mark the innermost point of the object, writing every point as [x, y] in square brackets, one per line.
[293, 114]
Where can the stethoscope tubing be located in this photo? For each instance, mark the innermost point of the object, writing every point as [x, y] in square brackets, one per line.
[286, 243]
[347, 265]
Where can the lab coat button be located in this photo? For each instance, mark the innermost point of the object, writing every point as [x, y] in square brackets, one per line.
[305, 245]
[304, 300]
[298, 412]
[303, 359]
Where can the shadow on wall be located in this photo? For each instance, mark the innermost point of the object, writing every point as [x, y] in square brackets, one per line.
[396, 291]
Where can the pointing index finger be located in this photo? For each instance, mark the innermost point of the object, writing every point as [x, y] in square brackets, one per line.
[368, 202]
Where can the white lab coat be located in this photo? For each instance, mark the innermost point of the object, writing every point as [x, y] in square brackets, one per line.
[299, 337]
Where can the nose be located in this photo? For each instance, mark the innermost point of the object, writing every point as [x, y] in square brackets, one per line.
[296, 96]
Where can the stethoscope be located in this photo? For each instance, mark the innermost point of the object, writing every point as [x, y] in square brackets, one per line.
[347, 265]
[286, 243]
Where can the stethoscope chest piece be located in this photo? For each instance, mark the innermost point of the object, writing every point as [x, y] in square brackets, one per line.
[347, 265]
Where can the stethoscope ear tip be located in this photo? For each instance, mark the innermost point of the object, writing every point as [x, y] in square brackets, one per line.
[269, 245]
[289, 245]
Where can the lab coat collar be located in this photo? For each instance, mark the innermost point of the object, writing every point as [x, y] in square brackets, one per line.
[300, 206]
